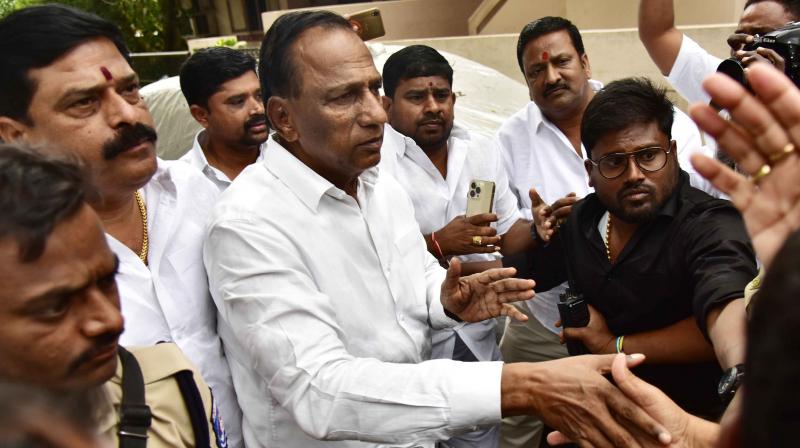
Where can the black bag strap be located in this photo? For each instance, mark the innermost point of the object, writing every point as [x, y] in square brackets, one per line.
[134, 414]
[195, 407]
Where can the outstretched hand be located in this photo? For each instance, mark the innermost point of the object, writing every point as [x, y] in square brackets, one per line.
[484, 295]
[548, 218]
[762, 137]
[683, 427]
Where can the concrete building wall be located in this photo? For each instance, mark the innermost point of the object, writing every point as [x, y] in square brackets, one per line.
[406, 19]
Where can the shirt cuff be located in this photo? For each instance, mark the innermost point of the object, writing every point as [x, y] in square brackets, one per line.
[475, 399]
[438, 319]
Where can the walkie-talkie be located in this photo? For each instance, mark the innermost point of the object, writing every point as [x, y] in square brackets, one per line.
[574, 312]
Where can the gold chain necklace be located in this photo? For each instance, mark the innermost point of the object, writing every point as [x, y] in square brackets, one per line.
[143, 213]
[608, 238]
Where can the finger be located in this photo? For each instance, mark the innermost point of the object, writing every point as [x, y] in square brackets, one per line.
[780, 96]
[487, 232]
[572, 333]
[512, 312]
[557, 438]
[567, 200]
[490, 249]
[514, 296]
[737, 187]
[482, 219]
[513, 284]
[536, 200]
[495, 274]
[602, 363]
[562, 213]
[750, 113]
[736, 142]
[558, 323]
[770, 54]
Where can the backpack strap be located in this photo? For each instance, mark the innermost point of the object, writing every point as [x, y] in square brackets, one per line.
[134, 415]
[194, 406]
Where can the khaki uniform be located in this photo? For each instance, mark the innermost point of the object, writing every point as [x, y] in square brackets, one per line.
[171, 426]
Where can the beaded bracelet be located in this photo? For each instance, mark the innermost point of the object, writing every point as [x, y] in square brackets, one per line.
[620, 341]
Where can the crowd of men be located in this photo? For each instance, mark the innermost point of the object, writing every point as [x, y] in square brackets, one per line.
[308, 274]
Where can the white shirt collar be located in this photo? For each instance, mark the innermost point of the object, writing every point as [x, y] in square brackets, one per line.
[302, 180]
[197, 158]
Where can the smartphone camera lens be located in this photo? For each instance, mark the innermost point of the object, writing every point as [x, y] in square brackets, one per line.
[472, 193]
[478, 190]
[472, 185]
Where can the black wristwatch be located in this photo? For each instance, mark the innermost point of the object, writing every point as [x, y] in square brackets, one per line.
[730, 382]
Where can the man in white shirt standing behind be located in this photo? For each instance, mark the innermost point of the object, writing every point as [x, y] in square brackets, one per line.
[317, 262]
[436, 162]
[68, 84]
[224, 96]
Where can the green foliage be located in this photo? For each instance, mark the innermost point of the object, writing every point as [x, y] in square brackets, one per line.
[147, 25]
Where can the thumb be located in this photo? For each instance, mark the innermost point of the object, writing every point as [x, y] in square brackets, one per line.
[453, 274]
[536, 200]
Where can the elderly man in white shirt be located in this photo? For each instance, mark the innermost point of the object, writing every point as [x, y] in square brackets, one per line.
[85, 102]
[224, 97]
[541, 149]
[316, 261]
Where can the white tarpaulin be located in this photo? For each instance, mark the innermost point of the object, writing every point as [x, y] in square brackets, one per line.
[486, 97]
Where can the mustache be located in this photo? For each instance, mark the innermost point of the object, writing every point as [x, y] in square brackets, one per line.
[255, 120]
[549, 89]
[431, 119]
[129, 136]
[638, 187]
[102, 342]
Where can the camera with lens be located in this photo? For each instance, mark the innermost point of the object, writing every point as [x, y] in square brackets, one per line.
[574, 312]
[785, 41]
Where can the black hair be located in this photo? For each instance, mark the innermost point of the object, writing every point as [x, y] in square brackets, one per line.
[623, 103]
[547, 25]
[791, 6]
[412, 62]
[37, 192]
[35, 37]
[276, 65]
[206, 70]
[771, 412]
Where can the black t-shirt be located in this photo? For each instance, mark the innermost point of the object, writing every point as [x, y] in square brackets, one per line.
[694, 255]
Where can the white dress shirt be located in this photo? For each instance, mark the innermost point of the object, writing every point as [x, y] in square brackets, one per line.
[197, 158]
[537, 154]
[168, 300]
[690, 68]
[437, 200]
[333, 301]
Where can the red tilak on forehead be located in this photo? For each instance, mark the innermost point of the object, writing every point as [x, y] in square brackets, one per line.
[106, 73]
[545, 55]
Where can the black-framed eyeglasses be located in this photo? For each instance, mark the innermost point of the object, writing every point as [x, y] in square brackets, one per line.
[650, 159]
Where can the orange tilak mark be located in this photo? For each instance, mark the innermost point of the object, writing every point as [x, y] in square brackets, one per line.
[106, 73]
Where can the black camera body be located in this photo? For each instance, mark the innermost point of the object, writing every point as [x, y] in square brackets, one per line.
[574, 312]
[785, 41]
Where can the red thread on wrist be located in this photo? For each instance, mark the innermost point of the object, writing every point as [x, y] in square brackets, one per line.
[436, 245]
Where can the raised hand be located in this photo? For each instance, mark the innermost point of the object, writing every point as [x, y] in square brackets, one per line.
[472, 235]
[762, 137]
[485, 295]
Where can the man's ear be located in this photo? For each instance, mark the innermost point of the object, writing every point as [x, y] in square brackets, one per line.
[587, 68]
[587, 164]
[12, 130]
[387, 106]
[200, 114]
[280, 118]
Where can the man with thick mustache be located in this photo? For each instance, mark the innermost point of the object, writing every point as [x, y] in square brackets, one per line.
[60, 314]
[224, 96]
[77, 93]
[662, 265]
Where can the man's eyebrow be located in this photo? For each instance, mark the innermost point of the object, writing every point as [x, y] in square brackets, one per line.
[94, 90]
[59, 291]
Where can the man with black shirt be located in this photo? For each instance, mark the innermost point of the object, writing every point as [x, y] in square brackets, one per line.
[662, 264]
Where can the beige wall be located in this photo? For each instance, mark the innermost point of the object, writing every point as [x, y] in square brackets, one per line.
[509, 16]
[613, 54]
[405, 19]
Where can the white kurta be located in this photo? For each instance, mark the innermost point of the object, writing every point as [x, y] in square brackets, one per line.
[197, 158]
[333, 302]
[168, 300]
